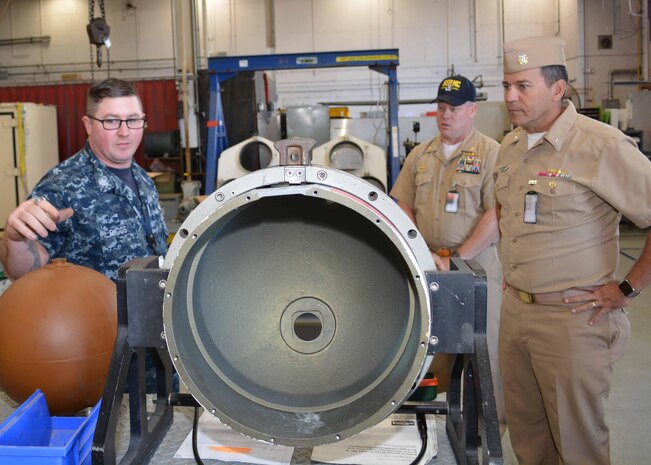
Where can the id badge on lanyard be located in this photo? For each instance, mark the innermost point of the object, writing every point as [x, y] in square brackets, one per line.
[452, 201]
[530, 207]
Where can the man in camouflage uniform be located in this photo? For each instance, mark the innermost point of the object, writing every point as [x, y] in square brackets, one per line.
[98, 208]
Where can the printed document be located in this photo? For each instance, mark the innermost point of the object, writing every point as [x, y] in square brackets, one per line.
[394, 441]
[217, 441]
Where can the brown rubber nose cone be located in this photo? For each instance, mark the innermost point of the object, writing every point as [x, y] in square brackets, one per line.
[58, 325]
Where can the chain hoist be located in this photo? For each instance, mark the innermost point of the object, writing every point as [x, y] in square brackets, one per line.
[98, 34]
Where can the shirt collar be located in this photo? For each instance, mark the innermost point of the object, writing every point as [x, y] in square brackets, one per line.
[106, 180]
[434, 147]
[560, 130]
[557, 134]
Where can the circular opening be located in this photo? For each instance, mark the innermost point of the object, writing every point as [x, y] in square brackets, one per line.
[347, 156]
[307, 326]
[255, 156]
[297, 295]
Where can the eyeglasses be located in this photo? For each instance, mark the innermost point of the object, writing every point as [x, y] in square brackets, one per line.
[113, 124]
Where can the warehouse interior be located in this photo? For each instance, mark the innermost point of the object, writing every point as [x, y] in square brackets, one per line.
[221, 81]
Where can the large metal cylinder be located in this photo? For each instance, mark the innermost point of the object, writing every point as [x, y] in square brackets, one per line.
[296, 307]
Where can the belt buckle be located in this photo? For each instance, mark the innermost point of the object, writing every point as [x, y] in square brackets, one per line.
[526, 297]
[443, 252]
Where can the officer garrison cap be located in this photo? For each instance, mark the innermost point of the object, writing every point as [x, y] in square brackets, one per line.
[456, 90]
[533, 52]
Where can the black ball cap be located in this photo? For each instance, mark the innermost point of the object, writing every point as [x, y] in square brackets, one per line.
[456, 90]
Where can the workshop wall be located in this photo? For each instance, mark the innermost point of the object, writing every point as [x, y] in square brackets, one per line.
[141, 37]
[434, 36]
[70, 100]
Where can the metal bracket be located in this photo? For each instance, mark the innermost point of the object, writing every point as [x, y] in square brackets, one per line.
[458, 300]
[295, 154]
[295, 151]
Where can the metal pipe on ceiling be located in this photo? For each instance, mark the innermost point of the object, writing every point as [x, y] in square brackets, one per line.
[194, 34]
[81, 63]
[472, 20]
[26, 40]
[4, 10]
[645, 40]
[80, 71]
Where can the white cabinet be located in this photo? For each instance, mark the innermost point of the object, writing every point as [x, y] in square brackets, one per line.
[28, 149]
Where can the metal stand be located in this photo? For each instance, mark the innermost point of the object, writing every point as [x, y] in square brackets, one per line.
[471, 422]
[140, 326]
[458, 327]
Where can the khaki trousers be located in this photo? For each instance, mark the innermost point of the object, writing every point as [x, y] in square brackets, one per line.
[556, 373]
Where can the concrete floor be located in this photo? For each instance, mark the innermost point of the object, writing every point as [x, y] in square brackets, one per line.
[629, 405]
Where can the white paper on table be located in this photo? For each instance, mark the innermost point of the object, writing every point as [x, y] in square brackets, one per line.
[394, 441]
[217, 441]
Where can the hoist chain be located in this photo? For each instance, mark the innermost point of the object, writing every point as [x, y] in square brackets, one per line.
[108, 50]
[91, 15]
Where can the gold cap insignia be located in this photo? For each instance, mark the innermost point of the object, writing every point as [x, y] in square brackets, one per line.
[523, 59]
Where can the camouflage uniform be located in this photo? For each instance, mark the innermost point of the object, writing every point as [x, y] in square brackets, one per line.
[108, 228]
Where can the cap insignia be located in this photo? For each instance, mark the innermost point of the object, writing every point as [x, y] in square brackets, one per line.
[451, 84]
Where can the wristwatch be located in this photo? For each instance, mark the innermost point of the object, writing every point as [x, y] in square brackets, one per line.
[627, 289]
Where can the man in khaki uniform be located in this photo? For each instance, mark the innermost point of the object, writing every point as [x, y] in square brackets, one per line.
[446, 187]
[562, 183]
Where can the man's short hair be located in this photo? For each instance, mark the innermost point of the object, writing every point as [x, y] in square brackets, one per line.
[108, 88]
[553, 73]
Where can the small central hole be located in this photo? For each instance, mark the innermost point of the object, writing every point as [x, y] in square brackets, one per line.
[307, 326]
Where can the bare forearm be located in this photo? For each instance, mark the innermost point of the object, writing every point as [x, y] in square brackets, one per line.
[20, 251]
[21, 257]
[485, 233]
[640, 274]
[409, 210]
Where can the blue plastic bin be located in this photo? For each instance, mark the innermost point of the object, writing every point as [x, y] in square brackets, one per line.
[30, 436]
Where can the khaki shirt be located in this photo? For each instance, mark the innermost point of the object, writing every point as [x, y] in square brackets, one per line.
[584, 175]
[427, 177]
